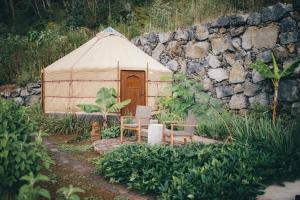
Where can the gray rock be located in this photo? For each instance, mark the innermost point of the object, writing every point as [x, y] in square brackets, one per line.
[164, 37]
[288, 25]
[218, 74]
[15, 94]
[213, 61]
[181, 35]
[254, 18]
[195, 68]
[237, 31]
[236, 43]
[261, 99]
[251, 89]
[151, 37]
[286, 38]
[224, 91]
[35, 91]
[173, 48]
[32, 100]
[147, 49]
[6, 94]
[237, 74]
[256, 77]
[221, 44]
[280, 53]
[32, 85]
[275, 12]
[157, 51]
[233, 20]
[238, 88]
[288, 91]
[258, 38]
[295, 109]
[266, 56]
[24, 93]
[237, 102]
[197, 50]
[230, 58]
[172, 65]
[143, 41]
[19, 101]
[201, 32]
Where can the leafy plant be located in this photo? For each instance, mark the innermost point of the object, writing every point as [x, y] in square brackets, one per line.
[70, 193]
[30, 191]
[276, 76]
[111, 132]
[21, 147]
[105, 103]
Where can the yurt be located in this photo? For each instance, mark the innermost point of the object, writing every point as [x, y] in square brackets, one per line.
[107, 60]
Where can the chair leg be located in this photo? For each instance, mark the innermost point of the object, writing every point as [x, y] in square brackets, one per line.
[121, 137]
[139, 135]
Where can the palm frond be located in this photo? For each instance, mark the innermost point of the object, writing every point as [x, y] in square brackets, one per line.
[89, 108]
[118, 106]
[262, 68]
[290, 69]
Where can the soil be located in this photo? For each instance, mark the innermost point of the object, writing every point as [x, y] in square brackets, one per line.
[76, 168]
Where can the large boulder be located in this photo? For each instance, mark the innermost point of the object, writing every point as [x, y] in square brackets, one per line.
[288, 25]
[251, 89]
[24, 92]
[157, 51]
[173, 65]
[218, 74]
[174, 48]
[258, 38]
[289, 37]
[197, 50]
[233, 20]
[260, 99]
[224, 91]
[221, 44]
[164, 37]
[237, 73]
[254, 18]
[213, 61]
[237, 102]
[19, 101]
[181, 35]
[201, 32]
[275, 12]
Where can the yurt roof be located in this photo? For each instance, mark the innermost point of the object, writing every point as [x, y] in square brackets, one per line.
[108, 49]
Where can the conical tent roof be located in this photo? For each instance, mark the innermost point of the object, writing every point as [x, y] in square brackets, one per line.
[108, 49]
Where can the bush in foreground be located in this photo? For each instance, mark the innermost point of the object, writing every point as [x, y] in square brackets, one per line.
[21, 149]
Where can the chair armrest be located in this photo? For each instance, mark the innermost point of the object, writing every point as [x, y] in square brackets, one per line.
[171, 122]
[183, 125]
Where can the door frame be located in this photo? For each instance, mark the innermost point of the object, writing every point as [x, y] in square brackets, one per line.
[145, 84]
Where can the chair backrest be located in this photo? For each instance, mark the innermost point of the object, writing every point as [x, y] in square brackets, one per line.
[143, 112]
[190, 120]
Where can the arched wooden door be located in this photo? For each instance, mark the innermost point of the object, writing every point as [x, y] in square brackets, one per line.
[132, 87]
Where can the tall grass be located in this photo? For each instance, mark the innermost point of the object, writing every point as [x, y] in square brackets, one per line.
[281, 135]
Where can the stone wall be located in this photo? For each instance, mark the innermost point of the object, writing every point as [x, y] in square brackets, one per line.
[28, 95]
[220, 52]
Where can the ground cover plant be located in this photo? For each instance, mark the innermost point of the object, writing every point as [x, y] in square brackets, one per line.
[260, 154]
[21, 148]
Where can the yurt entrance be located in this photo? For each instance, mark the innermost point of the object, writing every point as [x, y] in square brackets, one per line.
[133, 86]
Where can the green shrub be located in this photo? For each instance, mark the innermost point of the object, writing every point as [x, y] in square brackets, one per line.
[21, 148]
[194, 171]
[111, 132]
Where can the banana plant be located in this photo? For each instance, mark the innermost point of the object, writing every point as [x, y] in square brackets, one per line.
[70, 193]
[105, 103]
[276, 75]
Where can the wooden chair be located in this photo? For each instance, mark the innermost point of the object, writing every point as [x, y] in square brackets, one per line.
[187, 132]
[140, 120]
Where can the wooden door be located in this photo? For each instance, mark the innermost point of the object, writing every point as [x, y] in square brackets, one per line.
[132, 87]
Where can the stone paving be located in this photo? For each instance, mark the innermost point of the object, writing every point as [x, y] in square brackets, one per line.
[106, 145]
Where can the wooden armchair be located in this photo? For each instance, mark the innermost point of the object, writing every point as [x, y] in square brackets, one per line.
[187, 132]
[140, 120]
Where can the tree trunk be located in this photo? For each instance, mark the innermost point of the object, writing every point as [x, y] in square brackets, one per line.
[12, 8]
[275, 102]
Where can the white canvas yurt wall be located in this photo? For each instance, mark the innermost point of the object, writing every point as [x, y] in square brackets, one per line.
[76, 78]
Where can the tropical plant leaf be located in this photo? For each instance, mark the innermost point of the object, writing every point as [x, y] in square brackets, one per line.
[275, 68]
[88, 108]
[118, 106]
[290, 69]
[45, 193]
[262, 68]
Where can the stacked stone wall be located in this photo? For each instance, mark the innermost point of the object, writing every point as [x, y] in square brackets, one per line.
[220, 52]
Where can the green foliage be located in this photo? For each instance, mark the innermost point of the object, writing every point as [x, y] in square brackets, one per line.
[111, 132]
[30, 191]
[194, 171]
[22, 57]
[21, 148]
[260, 130]
[106, 102]
[70, 193]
